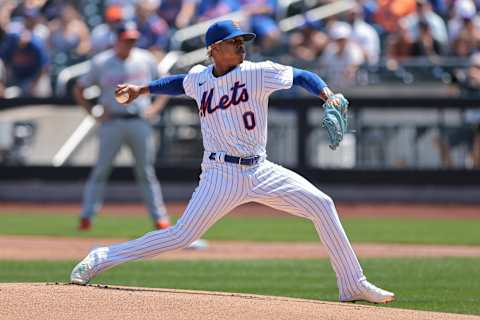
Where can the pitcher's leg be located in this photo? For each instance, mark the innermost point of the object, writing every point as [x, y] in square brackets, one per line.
[213, 198]
[285, 190]
[141, 143]
[110, 140]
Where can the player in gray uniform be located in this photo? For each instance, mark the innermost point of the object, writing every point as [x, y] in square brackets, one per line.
[122, 125]
[232, 98]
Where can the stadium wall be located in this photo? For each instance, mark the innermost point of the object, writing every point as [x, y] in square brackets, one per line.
[52, 184]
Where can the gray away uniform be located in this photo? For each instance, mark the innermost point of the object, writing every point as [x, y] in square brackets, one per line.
[126, 125]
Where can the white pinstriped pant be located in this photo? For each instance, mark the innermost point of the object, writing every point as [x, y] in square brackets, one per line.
[224, 186]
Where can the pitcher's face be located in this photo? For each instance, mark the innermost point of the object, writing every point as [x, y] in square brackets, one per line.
[230, 50]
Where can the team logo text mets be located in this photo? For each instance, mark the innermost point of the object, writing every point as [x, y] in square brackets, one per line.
[239, 94]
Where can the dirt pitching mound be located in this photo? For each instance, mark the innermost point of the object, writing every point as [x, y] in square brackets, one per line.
[63, 301]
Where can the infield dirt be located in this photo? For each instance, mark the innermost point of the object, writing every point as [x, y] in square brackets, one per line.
[64, 301]
[64, 248]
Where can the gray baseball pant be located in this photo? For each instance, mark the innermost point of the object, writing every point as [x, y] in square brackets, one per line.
[138, 135]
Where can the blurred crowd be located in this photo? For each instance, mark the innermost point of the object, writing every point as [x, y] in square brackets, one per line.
[38, 38]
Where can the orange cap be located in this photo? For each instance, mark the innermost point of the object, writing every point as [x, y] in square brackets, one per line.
[114, 13]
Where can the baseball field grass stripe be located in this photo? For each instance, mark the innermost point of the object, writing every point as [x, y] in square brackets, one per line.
[380, 230]
[436, 284]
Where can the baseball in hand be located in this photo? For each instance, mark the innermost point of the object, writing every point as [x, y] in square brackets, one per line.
[122, 97]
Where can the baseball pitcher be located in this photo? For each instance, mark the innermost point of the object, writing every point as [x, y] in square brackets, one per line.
[232, 97]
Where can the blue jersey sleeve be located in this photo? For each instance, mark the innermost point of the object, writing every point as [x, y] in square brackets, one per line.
[171, 85]
[308, 80]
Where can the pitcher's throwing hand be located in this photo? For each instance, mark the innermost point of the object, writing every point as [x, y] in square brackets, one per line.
[126, 93]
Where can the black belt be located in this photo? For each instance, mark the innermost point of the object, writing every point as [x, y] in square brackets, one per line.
[250, 161]
[125, 116]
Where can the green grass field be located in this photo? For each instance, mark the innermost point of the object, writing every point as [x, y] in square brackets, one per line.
[446, 285]
[436, 284]
[379, 230]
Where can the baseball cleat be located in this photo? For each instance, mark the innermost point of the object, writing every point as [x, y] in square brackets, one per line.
[199, 244]
[162, 224]
[83, 271]
[370, 293]
[84, 225]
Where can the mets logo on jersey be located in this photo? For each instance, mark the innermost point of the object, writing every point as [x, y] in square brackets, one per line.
[239, 94]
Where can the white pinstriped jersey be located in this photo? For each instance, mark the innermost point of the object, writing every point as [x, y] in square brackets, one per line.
[233, 113]
[233, 108]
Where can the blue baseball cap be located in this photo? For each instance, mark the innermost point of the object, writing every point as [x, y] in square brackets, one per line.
[224, 30]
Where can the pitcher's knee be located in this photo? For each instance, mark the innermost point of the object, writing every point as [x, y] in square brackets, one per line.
[182, 237]
[327, 200]
[322, 199]
[323, 204]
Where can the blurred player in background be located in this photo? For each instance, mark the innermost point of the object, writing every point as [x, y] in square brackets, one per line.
[120, 125]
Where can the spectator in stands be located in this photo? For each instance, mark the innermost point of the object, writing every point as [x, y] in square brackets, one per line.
[30, 20]
[426, 45]
[364, 35]
[469, 79]
[440, 7]
[261, 20]
[209, 9]
[204, 10]
[6, 10]
[177, 13]
[70, 35]
[307, 43]
[103, 35]
[436, 25]
[463, 11]
[467, 40]
[398, 46]
[369, 7]
[468, 134]
[26, 60]
[154, 33]
[390, 11]
[51, 9]
[122, 124]
[342, 57]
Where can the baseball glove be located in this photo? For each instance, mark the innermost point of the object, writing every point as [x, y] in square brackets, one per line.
[335, 118]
